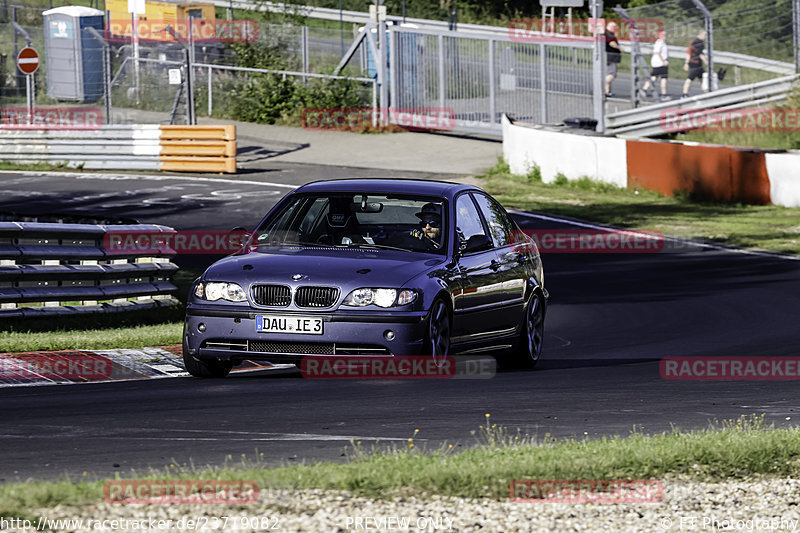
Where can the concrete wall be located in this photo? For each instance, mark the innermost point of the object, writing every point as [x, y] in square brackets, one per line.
[721, 173]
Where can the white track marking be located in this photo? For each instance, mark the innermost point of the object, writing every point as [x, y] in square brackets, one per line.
[120, 177]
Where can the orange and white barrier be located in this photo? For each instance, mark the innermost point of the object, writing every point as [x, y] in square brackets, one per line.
[124, 147]
[713, 172]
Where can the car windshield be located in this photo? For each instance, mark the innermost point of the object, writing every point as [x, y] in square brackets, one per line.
[410, 223]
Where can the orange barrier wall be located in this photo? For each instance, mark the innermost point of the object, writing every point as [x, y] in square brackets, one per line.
[712, 172]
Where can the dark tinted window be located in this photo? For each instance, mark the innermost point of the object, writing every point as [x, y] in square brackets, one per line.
[468, 221]
[500, 226]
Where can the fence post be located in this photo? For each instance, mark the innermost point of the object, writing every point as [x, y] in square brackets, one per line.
[382, 67]
[543, 82]
[492, 91]
[442, 86]
[598, 68]
[210, 95]
[190, 119]
[709, 41]
[304, 50]
[796, 33]
[394, 46]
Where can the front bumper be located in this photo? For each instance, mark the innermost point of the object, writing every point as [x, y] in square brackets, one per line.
[230, 335]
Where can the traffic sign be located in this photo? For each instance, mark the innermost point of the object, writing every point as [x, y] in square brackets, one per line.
[28, 60]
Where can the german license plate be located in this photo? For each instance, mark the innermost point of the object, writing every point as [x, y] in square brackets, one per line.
[288, 324]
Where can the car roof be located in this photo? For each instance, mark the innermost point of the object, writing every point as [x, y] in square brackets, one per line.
[388, 186]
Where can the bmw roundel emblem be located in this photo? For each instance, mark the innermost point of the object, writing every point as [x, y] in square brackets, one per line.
[298, 277]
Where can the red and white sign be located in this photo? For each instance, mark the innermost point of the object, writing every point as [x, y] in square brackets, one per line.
[28, 60]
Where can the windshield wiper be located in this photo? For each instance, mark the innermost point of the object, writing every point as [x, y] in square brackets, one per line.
[378, 246]
[289, 243]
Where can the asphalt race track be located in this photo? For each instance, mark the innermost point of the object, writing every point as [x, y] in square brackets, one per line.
[611, 318]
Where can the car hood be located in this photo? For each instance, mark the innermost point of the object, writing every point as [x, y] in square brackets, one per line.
[345, 267]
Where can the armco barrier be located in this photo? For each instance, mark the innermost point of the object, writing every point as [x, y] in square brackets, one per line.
[713, 172]
[126, 147]
[56, 269]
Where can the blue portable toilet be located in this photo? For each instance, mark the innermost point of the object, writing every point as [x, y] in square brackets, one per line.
[74, 56]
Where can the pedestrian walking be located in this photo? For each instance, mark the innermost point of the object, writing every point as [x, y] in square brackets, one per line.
[659, 66]
[613, 56]
[695, 58]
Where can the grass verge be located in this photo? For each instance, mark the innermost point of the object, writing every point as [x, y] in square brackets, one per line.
[741, 448]
[772, 228]
[12, 165]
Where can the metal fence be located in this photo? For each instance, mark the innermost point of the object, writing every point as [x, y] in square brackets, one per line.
[761, 29]
[478, 75]
[156, 87]
[479, 78]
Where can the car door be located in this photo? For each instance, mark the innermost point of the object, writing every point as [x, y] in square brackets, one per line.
[476, 299]
[512, 271]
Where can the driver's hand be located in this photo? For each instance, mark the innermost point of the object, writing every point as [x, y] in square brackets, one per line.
[421, 235]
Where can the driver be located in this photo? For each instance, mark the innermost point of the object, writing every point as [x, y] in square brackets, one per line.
[430, 221]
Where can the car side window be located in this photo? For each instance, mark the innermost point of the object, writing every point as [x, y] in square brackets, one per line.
[468, 221]
[500, 226]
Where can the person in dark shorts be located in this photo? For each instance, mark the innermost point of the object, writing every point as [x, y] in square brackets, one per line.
[613, 56]
[659, 65]
[694, 62]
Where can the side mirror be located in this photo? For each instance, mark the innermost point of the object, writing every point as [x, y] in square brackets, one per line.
[476, 243]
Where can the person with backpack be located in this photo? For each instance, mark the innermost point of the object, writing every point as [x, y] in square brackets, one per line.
[695, 58]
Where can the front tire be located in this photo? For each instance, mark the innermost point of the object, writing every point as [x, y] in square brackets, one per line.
[437, 337]
[204, 369]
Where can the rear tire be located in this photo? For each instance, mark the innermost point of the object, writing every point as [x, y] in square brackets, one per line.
[531, 339]
[204, 369]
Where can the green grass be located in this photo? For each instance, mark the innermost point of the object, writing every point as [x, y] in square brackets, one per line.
[92, 339]
[770, 140]
[742, 448]
[12, 165]
[771, 228]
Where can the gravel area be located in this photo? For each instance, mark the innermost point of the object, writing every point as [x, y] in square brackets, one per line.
[761, 505]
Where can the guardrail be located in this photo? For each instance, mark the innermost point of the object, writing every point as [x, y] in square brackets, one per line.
[648, 121]
[61, 269]
[125, 147]
[359, 17]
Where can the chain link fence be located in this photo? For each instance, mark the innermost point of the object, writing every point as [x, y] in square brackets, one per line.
[481, 78]
[761, 29]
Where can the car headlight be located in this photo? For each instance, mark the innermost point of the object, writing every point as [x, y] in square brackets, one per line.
[214, 290]
[380, 297]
